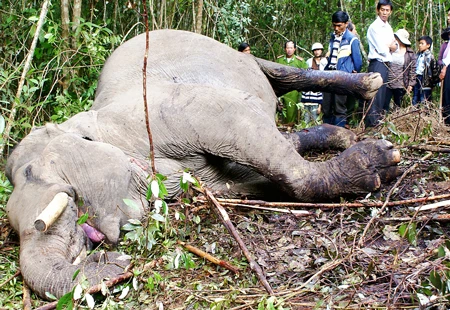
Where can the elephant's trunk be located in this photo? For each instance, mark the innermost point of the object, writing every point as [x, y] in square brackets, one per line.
[46, 267]
[47, 258]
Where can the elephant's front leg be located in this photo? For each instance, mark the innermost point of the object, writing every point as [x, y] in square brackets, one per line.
[358, 170]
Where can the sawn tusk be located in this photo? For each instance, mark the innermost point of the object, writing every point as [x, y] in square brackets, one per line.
[54, 209]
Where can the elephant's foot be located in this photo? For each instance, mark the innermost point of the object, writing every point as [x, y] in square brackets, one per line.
[372, 82]
[364, 166]
[320, 138]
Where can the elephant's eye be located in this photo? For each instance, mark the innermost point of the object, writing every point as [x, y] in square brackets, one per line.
[87, 138]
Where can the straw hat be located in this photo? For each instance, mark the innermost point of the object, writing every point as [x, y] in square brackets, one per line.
[403, 36]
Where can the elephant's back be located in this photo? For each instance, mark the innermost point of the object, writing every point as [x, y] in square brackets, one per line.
[182, 57]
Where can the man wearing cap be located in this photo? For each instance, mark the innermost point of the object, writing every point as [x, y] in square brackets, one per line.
[345, 55]
[402, 70]
[291, 99]
[311, 100]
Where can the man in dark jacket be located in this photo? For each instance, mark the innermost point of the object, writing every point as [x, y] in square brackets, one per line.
[345, 55]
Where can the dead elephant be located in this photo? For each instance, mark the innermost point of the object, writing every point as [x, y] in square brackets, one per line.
[211, 111]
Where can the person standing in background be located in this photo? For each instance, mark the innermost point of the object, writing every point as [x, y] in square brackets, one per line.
[402, 71]
[345, 55]
[382, 43]
[291, 99]
[312, 100]
[423, 87]
[244, 47]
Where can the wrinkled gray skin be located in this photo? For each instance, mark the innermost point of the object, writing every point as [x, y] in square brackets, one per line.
[212, 111]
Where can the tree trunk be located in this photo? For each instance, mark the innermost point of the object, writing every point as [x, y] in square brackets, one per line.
[199, 17]
[76, 14]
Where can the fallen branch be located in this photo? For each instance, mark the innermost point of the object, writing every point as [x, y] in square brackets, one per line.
[26, 298]
[226, 221]
[437, 217]
[262, 203]
[297, 213]
[209, 257]
[10, 278]
[432, 206]
[94, 289]
[430, 148]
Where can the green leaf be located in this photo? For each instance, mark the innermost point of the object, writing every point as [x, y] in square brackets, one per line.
[131, 203]
[441, 251]
[83, 218]
[435, 279]
[75, 274]
[158, 217]
[65, 302]
[50, 296]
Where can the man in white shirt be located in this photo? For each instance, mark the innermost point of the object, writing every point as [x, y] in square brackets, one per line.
[445, 76]
[381, 44]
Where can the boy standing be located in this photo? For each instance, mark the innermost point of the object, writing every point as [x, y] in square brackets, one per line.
[291, 99]
[422, 89]
[345, 55]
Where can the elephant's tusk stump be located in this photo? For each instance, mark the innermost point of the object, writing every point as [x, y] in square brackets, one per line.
[54, 209]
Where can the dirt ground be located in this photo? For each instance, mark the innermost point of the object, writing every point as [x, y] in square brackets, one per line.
[373, 252]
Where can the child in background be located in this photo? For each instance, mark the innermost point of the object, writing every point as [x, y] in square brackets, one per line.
[311, 100]
[422, 89]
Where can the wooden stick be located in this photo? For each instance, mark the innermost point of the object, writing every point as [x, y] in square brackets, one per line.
[262, 203]
[10, 278]
[226, 221]
[209, 257]
[26, 298]
[297, 213]
[430, 148]
[432, 206]
[437, 217]
[94, 289]
[51, 213]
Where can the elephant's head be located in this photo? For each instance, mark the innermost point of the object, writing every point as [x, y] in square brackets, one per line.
[95, 177]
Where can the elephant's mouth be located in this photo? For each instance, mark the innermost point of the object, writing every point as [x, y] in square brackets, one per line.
[53, 211]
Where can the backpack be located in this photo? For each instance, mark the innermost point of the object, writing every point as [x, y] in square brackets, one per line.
[431, 74]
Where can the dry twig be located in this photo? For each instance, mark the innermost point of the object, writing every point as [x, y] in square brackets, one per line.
[209, 257]
[226, 221]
